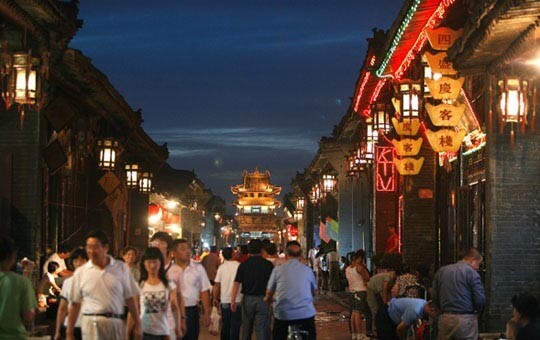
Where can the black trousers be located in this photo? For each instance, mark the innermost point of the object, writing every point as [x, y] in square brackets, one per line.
[386, 328]
[231, 322]
[192, 323]
[281, 327]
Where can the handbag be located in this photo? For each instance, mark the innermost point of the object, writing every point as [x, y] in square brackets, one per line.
[215, 320]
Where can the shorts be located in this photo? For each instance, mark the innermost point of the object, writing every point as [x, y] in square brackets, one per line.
[357, 300]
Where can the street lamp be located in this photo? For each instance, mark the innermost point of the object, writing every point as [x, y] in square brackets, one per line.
[132, 175]
[19, 83]
[107, 153]
[145, 182]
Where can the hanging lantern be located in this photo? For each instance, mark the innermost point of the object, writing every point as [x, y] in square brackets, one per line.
[298, 214]
[513, 104]
[25, 79]
[132, 175]
[107, 153]
[145, 182]
[372, 137]
[410, 99]
[300, 202]
[381, 118]
[328, 182]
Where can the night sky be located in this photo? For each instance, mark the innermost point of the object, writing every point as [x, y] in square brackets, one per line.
[234, 85]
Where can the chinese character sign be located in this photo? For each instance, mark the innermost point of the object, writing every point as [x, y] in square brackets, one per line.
[445, 140]
[443, 37]
[438, 63]
[407, 127]
[445, 87]
[386, 179]
[445, 114]
[409, 166]
[407, 146]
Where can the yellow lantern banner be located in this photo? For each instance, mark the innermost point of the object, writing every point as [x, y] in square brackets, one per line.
[445, 88]
[438, 64]
[443, 37]
[445, 140]
[407, 146]
[409, 166]
[445, 114]
[408, 127]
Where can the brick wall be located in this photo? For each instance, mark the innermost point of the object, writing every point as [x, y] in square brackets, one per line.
[25, 183]
[418, 227]
[513, 222]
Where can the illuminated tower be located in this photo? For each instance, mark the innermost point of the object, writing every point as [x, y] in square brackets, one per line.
[256, 204]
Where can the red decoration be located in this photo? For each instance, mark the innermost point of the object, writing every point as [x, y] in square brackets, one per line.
[153, 209]
[174, 219]
[386, 170]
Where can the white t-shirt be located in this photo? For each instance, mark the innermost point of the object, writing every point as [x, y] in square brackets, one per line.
[356, 282]
[225, 276]
[55, 258]
[154, 303]
[194, 281]
[174, 275]
[103, 290]
[66, 293]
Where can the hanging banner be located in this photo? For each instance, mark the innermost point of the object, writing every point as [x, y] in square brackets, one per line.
[407, 146]
[409, 166]
[445, 114]
[445, 88]
[438, 64]
[408, 127]
[443, 37]
[386, 177]
[446, 140]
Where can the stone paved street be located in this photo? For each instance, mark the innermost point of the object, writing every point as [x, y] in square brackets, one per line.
[330, 321]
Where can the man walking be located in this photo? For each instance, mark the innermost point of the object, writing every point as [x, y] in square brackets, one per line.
[230, 330]
[293, 284]
[103, 286]
[194, 283]
[459, 294]
[253, 275]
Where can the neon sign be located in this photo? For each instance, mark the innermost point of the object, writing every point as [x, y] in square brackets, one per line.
[386, 171]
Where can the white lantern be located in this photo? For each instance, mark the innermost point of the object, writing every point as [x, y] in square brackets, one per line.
[107, 153]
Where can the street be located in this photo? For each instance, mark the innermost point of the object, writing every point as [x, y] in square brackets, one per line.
[330, 321]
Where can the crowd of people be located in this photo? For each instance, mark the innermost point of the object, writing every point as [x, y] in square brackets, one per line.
[86, 293]
[394, 301]
[167, 295]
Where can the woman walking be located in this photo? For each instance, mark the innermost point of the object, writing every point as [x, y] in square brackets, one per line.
[156, 295]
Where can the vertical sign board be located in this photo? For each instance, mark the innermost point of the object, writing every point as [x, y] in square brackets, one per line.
[386, 179]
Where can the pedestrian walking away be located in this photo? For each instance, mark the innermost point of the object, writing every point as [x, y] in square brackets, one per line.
[459, 294]
[230, 329]
[99, 291]
[253, 276]
[293, 286]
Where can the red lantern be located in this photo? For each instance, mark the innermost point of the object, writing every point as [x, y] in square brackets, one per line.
[153, 209]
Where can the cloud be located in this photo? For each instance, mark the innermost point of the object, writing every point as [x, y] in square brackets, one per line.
[207, 141]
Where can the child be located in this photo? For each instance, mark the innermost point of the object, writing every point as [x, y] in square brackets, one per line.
[156, 294]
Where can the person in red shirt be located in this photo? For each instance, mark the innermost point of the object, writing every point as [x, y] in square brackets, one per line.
[392, 243]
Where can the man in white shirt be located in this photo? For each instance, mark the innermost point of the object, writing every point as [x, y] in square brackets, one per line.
[230, 330]
[59, 257]
[99, 291]
[163, 242]
[194, 282]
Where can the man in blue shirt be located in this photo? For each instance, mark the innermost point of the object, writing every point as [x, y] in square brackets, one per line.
[459, 294]
[393, 320]
[293, 284]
